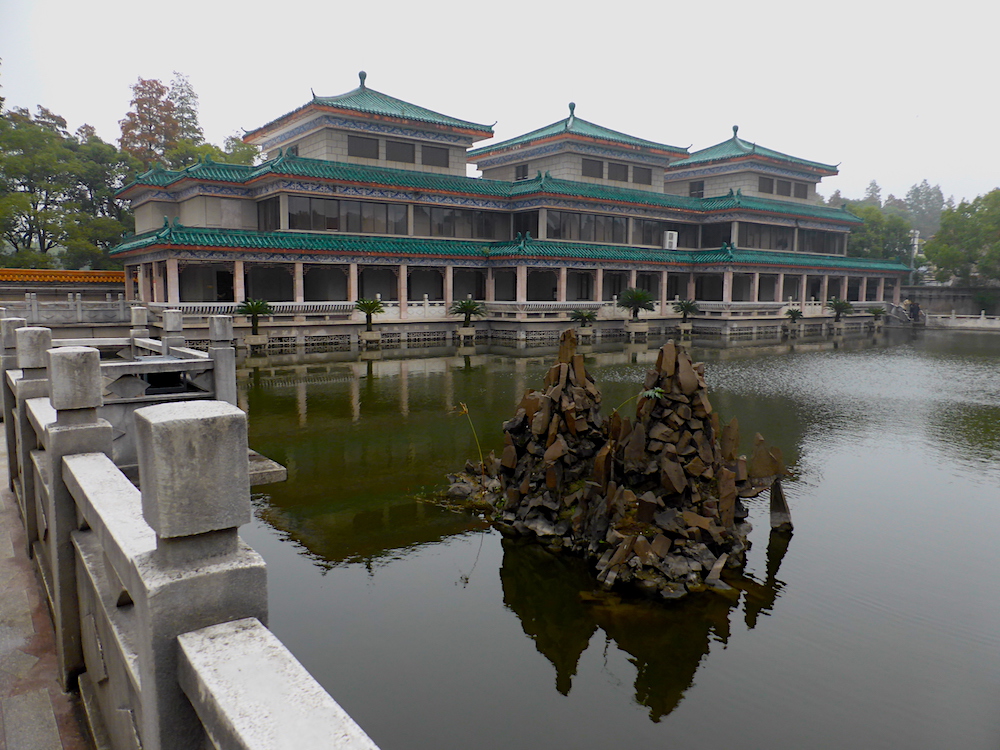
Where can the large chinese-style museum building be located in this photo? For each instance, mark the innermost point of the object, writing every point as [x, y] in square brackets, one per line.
[364, 195]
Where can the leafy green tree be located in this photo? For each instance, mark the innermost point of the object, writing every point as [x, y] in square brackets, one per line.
[686, 307]
[150, 128]
[634, 300]
[369, 307]
[467, 308]
[839, 307]
[873, 195]
[238, 152]
[583, 317]
[881, 236]
[254, 309]
[968, 243]
[925, 203]
[36, 180]
[185, 102]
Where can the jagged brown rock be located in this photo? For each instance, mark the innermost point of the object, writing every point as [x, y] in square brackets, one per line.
[653, 500]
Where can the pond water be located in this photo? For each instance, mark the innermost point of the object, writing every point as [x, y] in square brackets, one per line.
[876, 625]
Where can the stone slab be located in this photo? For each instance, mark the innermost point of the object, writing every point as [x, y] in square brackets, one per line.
[29, 722]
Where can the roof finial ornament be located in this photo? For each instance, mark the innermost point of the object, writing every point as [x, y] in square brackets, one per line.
[572, 115]
[312, 92]
[736, 129]
[362, 75]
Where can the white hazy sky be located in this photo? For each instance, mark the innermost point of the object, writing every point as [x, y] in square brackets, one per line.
[896, 92]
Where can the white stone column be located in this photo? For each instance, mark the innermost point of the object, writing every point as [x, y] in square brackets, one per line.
[755, 287]
[402, 290]
[449, 285]
[298, 282]
[845, 287]
[599, 285]
[803, 289]
[795, 239]
[561, 280]
[863, 290]
[173, 282]
[543, 224]
[727, 286]
[491, 291]
[144, 295]
[734, 233]
[824, 292]
[283, 210]
[631, 277]
[663, 293]
[881, 289]
[779, 288]
[692, 286]
[521, 285]
[239, 281]
[897, 291]
[352, 282]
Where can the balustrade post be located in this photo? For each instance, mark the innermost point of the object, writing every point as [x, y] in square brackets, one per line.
[173, 330]
[223, 354]
[8, 334]
[140, 327]
[32, 343]
[75, 386]
[195, 486]
[79, 308]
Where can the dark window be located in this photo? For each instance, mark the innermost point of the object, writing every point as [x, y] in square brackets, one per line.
[463, 223]
[587, 227]
[396, 218]
[696, 189]
[298, 213]
[372, 218]
[491, 225]
[563, 225]
[526, 221]
[367, 148]
[713, 235]
[521, 172]
[421, 221]
[434, 156]
[765, 185]
[617, 172]
[642, 175]
[350, 216]
[325, 214]
[269, 215]
[784, 187]
[593, 168]
[801, 190]
[399, 151]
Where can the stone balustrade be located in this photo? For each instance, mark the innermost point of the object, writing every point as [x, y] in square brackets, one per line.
[75, 310]
[159, 607]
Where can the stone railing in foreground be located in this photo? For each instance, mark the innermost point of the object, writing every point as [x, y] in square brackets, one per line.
[159, 606]
[74, 311]
[981, 322]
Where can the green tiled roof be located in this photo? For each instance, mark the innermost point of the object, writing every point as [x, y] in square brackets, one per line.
[178, 236]
[737, 200]
[736, 147]
[371, 102]
[575, 125]
[243, 239]
[295, 166]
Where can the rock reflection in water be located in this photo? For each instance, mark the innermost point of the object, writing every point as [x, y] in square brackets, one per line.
[554, 597]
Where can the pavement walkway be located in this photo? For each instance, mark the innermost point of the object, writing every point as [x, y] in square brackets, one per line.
[35, 714]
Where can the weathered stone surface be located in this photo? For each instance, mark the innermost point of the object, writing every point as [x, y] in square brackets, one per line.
[210, 439]
[730, 440]
[686, 376]
[727, 497]
[33, 343]
[75, 378]
[660, 545]
[694, 519]
[557, 450]
[781, 517]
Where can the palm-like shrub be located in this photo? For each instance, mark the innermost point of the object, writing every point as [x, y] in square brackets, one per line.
[369, 307]
[793, 315]
[583, 317]
[686, 307]
[877, 312]
[634, 299]
[839, 307]
[254, 309]
[468, 308]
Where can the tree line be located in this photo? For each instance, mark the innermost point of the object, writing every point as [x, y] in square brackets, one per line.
[58, 204]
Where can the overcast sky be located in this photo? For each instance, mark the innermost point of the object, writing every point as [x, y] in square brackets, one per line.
[896, 92]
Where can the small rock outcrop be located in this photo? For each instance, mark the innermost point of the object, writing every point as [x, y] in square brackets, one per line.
[653, 500]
